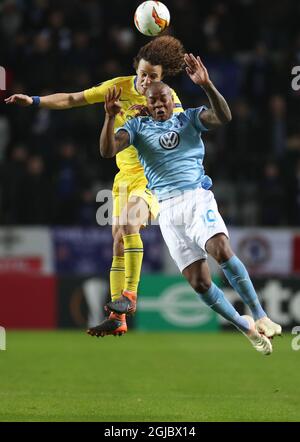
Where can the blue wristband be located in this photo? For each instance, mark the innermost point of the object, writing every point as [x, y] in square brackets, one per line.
[36, 101]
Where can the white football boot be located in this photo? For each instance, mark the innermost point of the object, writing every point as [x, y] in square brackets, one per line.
[268, 327]
[260, 342]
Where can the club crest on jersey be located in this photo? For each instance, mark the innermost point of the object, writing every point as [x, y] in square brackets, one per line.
[170, 140]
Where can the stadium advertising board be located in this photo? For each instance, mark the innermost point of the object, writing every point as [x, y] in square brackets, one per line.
[28, 301]
[26, 250]
[280, 298]
[169, 303]
[84, 252]
[264, 251]
[81, 301]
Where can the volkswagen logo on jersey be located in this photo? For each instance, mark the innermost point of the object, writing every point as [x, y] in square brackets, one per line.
[169, 141]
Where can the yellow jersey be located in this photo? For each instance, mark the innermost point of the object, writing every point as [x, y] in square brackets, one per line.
[132, 103]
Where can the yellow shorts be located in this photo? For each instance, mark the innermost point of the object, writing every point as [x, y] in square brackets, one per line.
[128, 185]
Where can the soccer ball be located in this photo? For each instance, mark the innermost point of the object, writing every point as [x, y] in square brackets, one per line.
[151, 18]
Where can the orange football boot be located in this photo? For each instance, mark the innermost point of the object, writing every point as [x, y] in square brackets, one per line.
[114, 325]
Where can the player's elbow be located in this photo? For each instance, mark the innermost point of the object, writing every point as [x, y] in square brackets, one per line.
[107, 155]
[226, 117]
[105, 152]
[71, 100]
[220, 119]
[76, 99]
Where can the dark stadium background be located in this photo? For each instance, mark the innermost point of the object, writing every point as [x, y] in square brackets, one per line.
[55, 259]
[50, 166]
[249, 48]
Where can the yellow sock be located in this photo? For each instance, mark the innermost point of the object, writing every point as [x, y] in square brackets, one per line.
[133, 253]
[117, 277]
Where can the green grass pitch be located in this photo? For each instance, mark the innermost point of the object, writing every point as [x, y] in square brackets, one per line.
[152, 377]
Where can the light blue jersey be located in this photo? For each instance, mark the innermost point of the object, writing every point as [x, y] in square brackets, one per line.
[171, 151]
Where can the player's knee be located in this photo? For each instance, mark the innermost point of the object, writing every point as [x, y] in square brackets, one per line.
[200, 284]
[129, 229]
[222, 249]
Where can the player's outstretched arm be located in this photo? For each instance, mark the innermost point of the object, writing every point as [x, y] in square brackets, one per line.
[54, 101]
[110, 143]
[219, 113]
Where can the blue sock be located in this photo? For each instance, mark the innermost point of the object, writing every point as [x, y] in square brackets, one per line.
[239, 279]
[215, 299]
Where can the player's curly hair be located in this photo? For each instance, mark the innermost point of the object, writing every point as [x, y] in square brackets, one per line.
[166, 51]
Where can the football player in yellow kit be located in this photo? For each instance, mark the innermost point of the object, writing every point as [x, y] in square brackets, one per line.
[160, 58]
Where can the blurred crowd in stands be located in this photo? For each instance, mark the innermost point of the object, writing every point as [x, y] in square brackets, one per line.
[50, 168]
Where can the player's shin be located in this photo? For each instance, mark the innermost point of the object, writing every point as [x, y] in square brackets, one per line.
[117, 277]
[238, 277]
[215, 299]
[133, 253]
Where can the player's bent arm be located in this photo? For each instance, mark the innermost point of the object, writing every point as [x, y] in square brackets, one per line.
[219, 113]
[55, 101]
[111, 143]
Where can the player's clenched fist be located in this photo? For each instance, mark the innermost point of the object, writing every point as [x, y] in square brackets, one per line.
[22, 100]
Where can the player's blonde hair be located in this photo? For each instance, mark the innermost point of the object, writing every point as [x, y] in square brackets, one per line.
[166, 51]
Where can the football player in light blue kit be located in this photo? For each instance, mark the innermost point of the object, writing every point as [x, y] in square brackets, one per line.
[171, 150]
